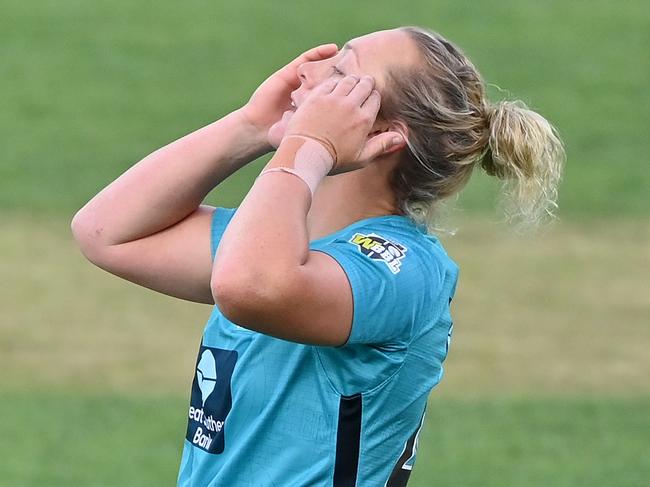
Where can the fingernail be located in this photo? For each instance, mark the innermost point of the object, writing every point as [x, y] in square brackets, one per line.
[396, 140]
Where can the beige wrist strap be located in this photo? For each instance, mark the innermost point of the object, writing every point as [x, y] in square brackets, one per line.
[304, 157]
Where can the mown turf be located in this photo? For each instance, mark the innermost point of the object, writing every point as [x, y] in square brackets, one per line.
[549, 442]
[90, 88]
[565, 311]
[119, 440]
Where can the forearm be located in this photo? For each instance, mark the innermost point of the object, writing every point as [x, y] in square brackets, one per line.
[269, 230]
[169, 184]
[262, 251]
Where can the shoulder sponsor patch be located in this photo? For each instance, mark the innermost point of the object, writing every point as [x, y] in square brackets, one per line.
[379, 248]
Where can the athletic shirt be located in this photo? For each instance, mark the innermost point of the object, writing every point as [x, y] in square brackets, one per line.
[268, 412]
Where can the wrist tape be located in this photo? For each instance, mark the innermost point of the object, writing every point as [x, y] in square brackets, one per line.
[305, 157]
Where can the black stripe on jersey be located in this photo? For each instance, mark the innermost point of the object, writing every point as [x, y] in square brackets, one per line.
[348, 438]
[400, 476]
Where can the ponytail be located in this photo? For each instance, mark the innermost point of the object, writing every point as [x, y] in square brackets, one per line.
[525, 152]
[452, 128]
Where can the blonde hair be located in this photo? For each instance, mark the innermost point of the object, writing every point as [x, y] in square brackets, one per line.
[452, 127]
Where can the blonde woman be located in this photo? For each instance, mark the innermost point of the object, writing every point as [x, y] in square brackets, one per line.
[331, 319]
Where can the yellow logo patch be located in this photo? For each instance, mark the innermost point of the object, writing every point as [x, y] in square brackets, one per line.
[379, 248]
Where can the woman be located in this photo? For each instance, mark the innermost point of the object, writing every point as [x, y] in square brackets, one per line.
[332, 300]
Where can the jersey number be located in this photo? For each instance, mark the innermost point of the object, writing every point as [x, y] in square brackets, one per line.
[402, 470]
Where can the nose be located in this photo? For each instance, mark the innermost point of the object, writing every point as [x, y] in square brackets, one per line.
[302, 74]
[311, 73]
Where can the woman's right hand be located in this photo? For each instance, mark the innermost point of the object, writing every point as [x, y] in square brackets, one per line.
[270, 102]
[340, 114]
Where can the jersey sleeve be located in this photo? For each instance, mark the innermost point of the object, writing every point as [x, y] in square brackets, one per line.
[391, 283]
[220, 219]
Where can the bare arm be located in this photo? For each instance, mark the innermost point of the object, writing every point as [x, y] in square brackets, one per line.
[147, 225]
[169, 184]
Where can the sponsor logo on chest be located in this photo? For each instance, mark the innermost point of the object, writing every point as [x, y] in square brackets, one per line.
[211, 398]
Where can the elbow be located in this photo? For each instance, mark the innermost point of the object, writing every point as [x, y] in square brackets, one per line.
[233, 295]
[76, 226]
[244, 298]
[87, 236]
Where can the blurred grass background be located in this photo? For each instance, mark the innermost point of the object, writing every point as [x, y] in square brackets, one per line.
[547, 379]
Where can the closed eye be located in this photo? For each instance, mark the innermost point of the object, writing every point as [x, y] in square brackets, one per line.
[336, 71]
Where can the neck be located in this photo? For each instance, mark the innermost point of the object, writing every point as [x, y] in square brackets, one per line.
[346, 198]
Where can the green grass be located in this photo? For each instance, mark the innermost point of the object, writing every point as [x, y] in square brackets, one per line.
[75, 439]
[565, 311]
[125, 440]
[90, 88]
[515, 442]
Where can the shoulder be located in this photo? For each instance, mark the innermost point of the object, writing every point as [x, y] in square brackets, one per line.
[396, 245]
[400, 277]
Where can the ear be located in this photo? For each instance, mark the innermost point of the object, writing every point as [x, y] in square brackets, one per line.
[385, 138]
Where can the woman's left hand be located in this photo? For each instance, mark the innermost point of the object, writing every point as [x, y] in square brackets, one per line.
[340, 114]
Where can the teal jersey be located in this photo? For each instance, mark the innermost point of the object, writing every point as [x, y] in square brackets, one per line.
[269, 412]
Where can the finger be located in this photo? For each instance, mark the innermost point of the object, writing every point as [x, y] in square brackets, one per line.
[345, 85]
[382, 144]
[317, 53]
[363, 90]
[371, 104]
[325, 88]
